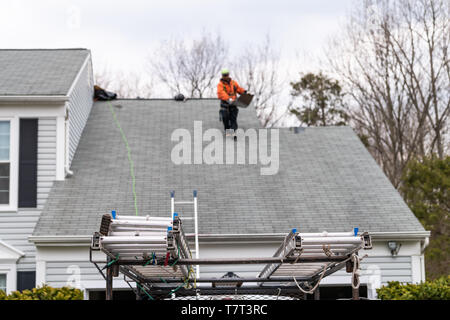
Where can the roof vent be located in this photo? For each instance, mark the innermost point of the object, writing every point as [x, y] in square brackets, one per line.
[179, 97]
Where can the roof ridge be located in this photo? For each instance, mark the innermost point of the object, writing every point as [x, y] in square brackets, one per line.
[42, 49]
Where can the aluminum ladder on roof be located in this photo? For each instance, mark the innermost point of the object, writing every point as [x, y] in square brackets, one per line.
[195, 218]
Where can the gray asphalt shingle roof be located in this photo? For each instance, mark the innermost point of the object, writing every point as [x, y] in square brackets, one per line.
[326, 181]
[39, 71]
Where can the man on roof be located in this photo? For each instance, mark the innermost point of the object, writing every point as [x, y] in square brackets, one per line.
[227, 91]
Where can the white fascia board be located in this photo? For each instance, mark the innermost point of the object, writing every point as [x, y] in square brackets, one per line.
[60, 240]
[412, 235]
[14, 253]
[33, 99]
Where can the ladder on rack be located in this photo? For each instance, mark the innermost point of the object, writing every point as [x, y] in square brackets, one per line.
[195, 218]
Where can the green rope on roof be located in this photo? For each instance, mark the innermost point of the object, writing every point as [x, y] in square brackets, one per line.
[124, 138]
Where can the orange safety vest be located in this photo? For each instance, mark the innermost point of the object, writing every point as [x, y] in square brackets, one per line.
[226, 90]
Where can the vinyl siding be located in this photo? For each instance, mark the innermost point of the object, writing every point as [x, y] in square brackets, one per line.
[46, 159]
[79, 105]
[15, 227]
[57, 273]
[391, 268]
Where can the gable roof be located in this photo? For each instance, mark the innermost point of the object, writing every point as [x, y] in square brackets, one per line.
[42, 72]
[8, 252]
[327, 180]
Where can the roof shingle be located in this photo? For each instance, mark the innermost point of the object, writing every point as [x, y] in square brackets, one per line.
[326, 181]
[39, 71]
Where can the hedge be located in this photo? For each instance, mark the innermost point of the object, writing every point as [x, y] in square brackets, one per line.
[44, 293]
[438, 289]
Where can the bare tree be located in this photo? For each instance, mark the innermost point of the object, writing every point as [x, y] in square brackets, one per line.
[104, 78]
[190, 67]
[393, 62]
[421, 50]
[132, 85]
[125, 85]
[257, 69]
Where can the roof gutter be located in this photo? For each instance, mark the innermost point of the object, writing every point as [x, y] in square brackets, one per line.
[212, 238]
[30, 99]
[60, 240]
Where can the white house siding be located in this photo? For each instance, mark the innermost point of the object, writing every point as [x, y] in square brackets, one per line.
[79, 105]
[46, 159]
[58, 273]
[15, 227]
[80, 274]
[390, 268]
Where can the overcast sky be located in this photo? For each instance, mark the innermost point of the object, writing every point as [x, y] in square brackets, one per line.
[121, 33]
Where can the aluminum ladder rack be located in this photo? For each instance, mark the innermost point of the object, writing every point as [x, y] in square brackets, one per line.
[154, 253]
[299, 246]
[153, 243]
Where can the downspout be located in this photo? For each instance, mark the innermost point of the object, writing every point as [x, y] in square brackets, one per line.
[424, 244]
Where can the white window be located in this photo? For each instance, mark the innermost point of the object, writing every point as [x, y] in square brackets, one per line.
[3, 282]
[9, 159]
[5, 162]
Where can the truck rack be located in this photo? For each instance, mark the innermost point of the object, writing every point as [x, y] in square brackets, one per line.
[154, 253]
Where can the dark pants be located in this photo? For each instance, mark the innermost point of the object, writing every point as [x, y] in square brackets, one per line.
[229, 116]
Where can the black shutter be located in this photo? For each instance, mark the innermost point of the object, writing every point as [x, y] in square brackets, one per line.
[28, 163]
[26, 280]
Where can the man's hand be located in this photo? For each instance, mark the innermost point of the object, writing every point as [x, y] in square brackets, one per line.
[230, 101]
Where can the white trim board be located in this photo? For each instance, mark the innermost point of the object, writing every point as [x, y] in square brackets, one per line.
[9, 253]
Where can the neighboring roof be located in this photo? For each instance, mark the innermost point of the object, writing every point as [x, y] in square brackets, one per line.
[327, 179]
[39, 71]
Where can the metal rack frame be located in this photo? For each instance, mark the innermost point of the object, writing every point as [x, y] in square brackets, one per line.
[154, 253]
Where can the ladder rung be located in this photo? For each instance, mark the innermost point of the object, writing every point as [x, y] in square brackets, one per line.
[187, 218]
[184, 202]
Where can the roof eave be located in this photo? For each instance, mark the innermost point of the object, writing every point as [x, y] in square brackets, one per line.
[33, 99]
[69, 240]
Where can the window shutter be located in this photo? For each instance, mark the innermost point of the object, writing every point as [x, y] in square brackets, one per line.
[28, 163]
[26, 280]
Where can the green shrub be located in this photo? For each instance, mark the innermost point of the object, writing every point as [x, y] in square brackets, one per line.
[44, 293]
[438, 289]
